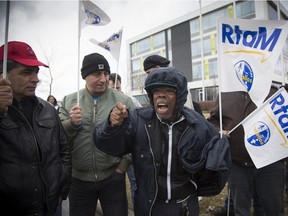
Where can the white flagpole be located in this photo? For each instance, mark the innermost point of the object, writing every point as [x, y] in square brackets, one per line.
[6, 39]
[202, 63]
[116, 77]
[229, 192]
[78, 57]
[281, 55]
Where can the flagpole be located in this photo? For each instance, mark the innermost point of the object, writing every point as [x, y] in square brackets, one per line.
[6, 39]
[201, 41]
[221, 122]
[78, 56]
[120, 36]
[281, 55]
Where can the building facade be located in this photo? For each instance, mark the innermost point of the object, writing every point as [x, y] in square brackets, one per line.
[195, 51]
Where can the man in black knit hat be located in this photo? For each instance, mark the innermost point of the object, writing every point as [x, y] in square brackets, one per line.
[95, 175]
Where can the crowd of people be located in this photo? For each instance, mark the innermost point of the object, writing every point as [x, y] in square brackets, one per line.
[82, 149]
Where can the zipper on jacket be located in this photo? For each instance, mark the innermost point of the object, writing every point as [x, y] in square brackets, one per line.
[169, 162]
[169, 156]
[155, 169]
[95, 98]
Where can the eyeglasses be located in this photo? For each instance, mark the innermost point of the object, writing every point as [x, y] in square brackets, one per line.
[167, 91]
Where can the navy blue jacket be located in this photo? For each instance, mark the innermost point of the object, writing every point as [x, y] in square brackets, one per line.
[133, 137]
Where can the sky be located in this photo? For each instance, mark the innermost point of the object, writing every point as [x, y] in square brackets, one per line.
[51, 29]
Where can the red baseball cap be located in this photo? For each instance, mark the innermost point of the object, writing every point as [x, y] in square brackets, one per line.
[22, 53]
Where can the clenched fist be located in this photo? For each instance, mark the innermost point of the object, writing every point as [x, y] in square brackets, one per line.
[118, 114]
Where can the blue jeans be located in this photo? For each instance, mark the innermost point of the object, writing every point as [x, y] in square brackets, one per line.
[257, 208]
[268, 183]
[132, 180]
[111, 192]
[59, 210]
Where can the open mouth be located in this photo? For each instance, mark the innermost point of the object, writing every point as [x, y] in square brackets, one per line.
[162, 107]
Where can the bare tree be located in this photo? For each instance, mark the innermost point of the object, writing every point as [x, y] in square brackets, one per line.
[50, 56]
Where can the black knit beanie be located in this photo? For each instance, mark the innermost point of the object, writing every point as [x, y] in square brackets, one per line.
[154, 60]
[92, 63]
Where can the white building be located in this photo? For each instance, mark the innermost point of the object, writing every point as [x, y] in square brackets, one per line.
[180, 42]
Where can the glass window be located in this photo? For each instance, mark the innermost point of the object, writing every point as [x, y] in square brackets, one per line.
[143, 45]
[132, 50]
[210, 19]
[136, 65]
[245, 10]
[211, 93]
[196, 71]
[138, 82]
[159, 40]
[213, 68]
[194, 27]
[135, 83]
[196, 94]
[207, 46]
[196, 48]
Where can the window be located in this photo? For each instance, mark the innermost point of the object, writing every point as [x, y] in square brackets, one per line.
[138, 82]
[194, 27]
[158, 40]
[136, 65]
[210, 19]
[209, 45]
[245, 10]
[196, 94]
[213, 68]
[143, 45]
[132, 49]
[211, 93]
[196, 71]
[196, 48]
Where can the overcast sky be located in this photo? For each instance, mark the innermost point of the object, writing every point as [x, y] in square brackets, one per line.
[51, 28]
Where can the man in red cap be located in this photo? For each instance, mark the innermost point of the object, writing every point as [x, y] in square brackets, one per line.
[35, 157]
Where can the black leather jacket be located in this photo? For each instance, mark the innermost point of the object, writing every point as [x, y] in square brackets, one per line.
[35, 158]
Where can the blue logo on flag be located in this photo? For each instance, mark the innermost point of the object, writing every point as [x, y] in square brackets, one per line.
[105, 46]
[92, 18]
[244, 74]
[259, 134]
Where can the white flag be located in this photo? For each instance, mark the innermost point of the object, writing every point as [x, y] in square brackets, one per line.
[112, 44]
[266, 130]
[91, 14]
[248, 53]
